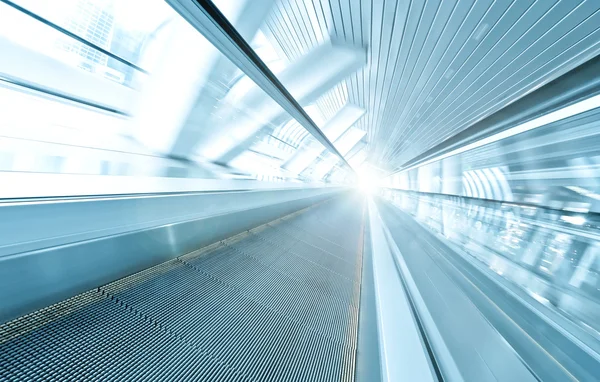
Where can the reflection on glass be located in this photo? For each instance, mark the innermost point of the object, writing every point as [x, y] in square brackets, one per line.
[115, 26]
[554, 260]
[168, 104]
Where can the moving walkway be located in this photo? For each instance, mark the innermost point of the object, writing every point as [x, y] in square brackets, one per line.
[347, 289]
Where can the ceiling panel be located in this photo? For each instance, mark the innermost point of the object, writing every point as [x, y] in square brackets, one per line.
[436, 67]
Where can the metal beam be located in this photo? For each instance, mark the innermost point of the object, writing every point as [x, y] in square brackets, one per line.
[181, 97]
[307, 79]
[74, 36]
[333, 129]
[345, 143]
[356, 149]
[210, 22]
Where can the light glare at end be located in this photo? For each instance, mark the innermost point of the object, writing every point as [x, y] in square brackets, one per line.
[367, 183]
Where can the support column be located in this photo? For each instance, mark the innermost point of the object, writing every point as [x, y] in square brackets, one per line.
[451, 176]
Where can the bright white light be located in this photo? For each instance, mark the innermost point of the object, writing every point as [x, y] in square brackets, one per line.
[584, 192]
[367, 182]
[127, 14]
[366, 186]
[539, 298]
[577, 220]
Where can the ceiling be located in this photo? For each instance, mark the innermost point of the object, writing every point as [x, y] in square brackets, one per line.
[436, 67]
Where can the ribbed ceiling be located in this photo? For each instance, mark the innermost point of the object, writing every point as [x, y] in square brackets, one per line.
[436, 67]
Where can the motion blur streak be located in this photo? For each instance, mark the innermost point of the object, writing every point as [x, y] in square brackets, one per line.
[300, 190]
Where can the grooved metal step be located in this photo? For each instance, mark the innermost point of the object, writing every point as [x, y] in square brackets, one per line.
[279, 303]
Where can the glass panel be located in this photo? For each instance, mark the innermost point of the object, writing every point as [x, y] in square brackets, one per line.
[193, 104]
[551, 254]
[115, 25]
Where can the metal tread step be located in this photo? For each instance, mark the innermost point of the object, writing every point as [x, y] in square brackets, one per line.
[268, 306]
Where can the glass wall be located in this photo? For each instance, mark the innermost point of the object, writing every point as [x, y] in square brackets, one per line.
[550, 254]
[554, 165]
[129, 88]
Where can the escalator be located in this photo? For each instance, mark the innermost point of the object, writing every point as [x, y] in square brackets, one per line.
[277, 303]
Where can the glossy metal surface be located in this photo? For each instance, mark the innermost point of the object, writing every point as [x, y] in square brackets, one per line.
[402, 351]
[132, 134]
[52, 250]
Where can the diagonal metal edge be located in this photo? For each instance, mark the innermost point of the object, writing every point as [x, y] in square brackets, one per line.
[205, 17]
[72, 35]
